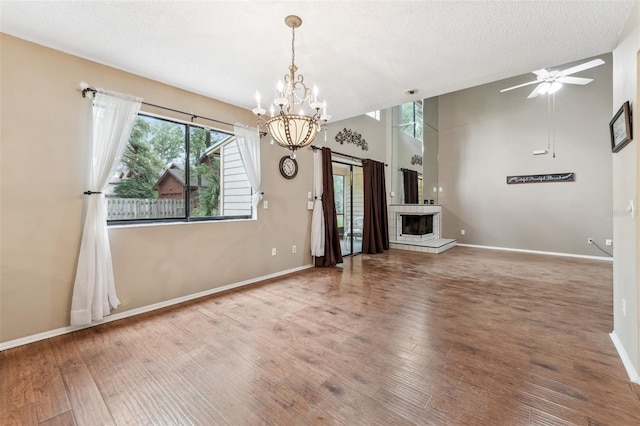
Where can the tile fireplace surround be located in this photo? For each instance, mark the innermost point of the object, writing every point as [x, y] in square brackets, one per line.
[430, 243]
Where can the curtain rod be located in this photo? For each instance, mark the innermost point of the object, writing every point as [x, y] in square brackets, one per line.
[193, 116]
[314, 147]
[402, 169]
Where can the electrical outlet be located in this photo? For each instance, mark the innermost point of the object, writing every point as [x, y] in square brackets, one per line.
[608, 242]
[294, 249]
[462, 232]
[273, 251]
[589, 240]
[265, 204]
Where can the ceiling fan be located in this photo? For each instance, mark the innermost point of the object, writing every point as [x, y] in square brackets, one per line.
[551, 81]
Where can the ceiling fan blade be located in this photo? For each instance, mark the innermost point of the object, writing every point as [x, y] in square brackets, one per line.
[536, 91]
[519, 85]
[582, 67]
[541, 73]
[574, 80]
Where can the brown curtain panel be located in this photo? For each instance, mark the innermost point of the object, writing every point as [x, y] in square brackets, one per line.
[332, 251]
[410, 178]
[375, 233]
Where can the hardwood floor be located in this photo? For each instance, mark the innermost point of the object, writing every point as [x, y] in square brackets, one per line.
[469, 336]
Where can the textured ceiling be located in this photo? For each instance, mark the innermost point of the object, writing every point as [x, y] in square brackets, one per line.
[363, 55]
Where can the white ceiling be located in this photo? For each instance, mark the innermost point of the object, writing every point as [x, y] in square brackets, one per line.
[362, 55]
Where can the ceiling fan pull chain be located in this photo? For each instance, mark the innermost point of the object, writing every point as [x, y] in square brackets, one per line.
[549, 118]
[553, 106]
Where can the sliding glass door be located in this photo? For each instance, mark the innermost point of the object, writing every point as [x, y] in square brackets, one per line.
[349, 198]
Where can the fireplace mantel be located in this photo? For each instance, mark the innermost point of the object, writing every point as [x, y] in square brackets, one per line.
[429, 243]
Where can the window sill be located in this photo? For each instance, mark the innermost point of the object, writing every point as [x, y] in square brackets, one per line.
[176, 223]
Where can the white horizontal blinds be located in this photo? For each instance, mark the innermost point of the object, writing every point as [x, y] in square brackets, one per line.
[236, 189]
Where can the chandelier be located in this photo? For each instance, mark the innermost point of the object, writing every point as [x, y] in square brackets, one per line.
[291, 127]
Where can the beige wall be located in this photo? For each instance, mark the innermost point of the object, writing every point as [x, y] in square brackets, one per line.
[625, 188]
[485, 136]
[45, 123]
[372, 130]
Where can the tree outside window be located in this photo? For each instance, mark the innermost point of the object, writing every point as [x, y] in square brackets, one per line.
[172, 170]
[411, 120]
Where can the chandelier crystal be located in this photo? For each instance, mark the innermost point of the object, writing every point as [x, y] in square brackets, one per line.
[291, 127]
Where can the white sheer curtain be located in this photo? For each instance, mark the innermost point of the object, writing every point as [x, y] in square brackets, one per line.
[317, 219]
[94, 292]
[249, 146]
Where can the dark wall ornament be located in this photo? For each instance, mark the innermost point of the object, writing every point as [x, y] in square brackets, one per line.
[552, 177]
[349, 136]
[416, 159]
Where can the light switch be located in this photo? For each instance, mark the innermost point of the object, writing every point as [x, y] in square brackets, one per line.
[309, 195]
[265, 204]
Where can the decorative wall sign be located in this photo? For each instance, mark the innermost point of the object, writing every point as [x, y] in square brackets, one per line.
[552, 177]
[349, 136]
[416, 159]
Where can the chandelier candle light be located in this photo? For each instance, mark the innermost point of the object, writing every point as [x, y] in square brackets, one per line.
[287, 128]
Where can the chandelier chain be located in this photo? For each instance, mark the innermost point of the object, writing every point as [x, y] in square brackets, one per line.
[293, 47]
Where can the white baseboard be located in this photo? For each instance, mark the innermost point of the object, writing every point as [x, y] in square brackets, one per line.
[64, 330]
[626, 361]
[549, 253]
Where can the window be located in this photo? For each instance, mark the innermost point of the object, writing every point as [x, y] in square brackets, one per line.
[374, 114]
[411, 119]
[177, 171]
[338, 190]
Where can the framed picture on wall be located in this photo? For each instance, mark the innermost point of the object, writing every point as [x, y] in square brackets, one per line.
[620, 128]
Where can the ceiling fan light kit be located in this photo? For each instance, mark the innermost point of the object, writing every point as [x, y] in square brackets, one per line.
[549, 82]
[549, 88]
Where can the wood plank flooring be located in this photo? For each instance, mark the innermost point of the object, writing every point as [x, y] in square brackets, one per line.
[467, 337]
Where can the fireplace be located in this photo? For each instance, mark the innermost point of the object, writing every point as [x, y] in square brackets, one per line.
[417, 228]
[415, 224]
